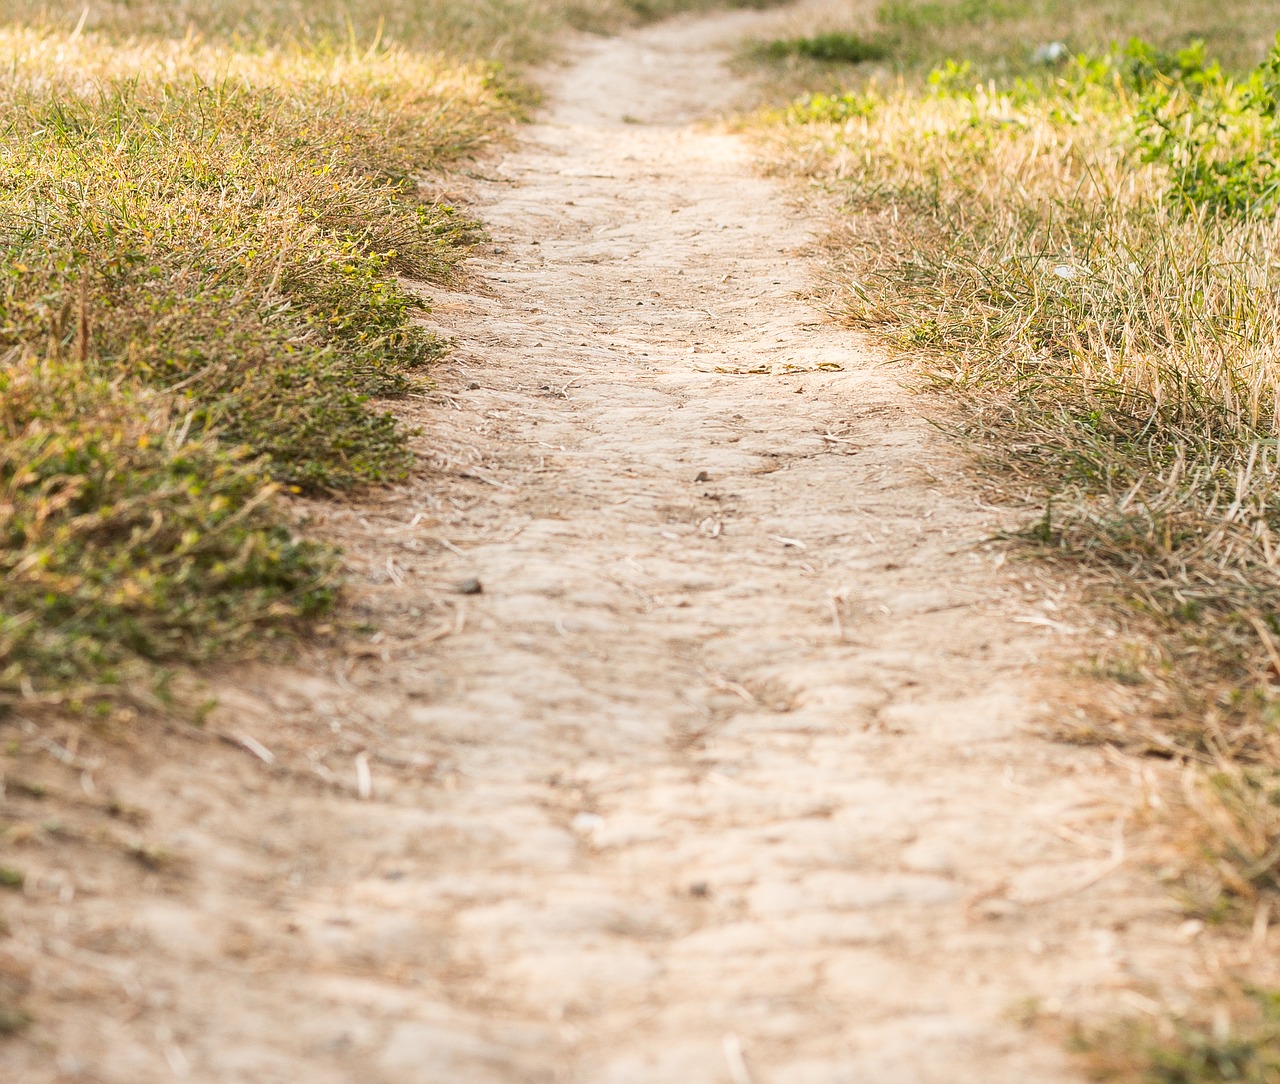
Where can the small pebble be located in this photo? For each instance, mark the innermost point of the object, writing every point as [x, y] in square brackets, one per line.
[470, 586]
[703, 476]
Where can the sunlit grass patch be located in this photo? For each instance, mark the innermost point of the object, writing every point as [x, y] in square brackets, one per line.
[234, 227]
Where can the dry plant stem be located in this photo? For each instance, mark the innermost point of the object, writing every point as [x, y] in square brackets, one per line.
[645, 816]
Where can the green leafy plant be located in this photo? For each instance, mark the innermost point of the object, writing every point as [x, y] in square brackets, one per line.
[829, 108]
[1217, 135]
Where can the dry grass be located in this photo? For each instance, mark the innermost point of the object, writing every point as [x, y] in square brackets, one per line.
[1082, 252]
[1238, 1041]
[512, 32]
[1117, 341]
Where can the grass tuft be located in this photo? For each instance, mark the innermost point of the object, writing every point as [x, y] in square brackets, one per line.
[238, 235]
[834, 47]
[1114, 325]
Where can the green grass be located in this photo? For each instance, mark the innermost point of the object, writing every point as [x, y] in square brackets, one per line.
[1006, 39]
[833, 47]
[235, 226]
[1001, 37]
[130, 537]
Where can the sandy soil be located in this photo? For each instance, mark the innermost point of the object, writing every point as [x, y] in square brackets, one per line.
[729, 772]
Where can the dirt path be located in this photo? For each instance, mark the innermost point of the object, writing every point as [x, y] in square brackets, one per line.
[727, 775]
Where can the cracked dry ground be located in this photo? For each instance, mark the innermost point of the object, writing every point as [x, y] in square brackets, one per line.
[729, 774]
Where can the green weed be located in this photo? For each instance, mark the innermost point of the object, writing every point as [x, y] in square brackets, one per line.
[1218, 136]
[830, 108]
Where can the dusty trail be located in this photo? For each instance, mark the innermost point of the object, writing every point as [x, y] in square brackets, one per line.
[727, 773]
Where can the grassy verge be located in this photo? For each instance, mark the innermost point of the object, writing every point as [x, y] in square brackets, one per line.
[200, 249]
[207, 211]
[1074, 234]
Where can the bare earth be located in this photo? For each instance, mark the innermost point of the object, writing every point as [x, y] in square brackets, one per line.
[730, 773]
